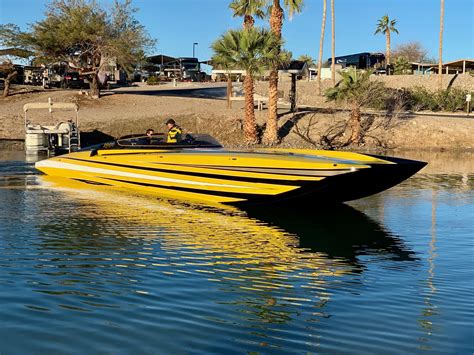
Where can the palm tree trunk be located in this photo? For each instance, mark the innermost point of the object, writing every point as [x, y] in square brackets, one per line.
[440, 60]
[387, 45]
[270, 136]
[8, 79]
[355, 124]
[321, 42]
[333, 45]
[250, 129]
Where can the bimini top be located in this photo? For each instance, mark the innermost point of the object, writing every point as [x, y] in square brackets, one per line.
[158, 141]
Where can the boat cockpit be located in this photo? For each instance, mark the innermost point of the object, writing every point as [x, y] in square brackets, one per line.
[158, 141]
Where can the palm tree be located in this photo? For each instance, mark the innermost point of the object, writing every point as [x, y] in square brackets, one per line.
[248, 9]
[276, 23]
[333, 45]
[385, 25]
[321, 42]
[253, 50]
[307, 59]
[440, 60]
[357, 90]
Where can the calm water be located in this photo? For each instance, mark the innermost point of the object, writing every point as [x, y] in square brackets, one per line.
[94, 271]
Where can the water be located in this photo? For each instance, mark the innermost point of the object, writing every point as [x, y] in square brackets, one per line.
[94, 271]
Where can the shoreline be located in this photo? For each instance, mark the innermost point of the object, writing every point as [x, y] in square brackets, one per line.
[129, 111]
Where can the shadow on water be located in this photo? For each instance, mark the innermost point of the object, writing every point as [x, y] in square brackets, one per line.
[339, 231]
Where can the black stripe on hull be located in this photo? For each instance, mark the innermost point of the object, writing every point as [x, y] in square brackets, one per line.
[206, 175]
[90, 182]
[269, 171]
[191, 190]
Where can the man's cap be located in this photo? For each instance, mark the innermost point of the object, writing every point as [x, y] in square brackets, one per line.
[170, 121]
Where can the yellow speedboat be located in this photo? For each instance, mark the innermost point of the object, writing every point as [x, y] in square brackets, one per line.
[199, 169]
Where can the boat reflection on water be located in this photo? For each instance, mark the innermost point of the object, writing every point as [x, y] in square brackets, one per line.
[281, 235]
[258, 268]
[341, 232]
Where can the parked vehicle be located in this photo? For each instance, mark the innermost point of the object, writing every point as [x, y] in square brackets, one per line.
[72, 79]
[364, 60]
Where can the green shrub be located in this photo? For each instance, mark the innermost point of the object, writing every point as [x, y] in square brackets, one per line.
[153, 80]
[419, 99]
[451, 100]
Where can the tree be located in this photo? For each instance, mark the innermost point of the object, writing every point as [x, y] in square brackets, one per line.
[333, 44]
[307, 59]
[440, 53]
[321, 43]
[385, 26]
[83, 33]
[412, 51]
[248, 9]
[9, 72]
[276, 23]
[7, 69]
[402, 66]
[356, 89]
[253, 50]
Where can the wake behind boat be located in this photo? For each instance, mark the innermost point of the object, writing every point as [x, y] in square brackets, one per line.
[199, 169]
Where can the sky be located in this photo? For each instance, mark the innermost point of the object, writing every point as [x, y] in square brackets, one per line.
[177, 24]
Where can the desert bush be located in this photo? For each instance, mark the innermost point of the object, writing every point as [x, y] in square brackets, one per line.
[450, 100]
[153, 80]
[420, 98]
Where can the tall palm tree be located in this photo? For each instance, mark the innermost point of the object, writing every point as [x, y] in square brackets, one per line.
[248, 9]
[276, 23]
[385, 26]
[321, 42]
[440, 60]
[333, 44]
[253, 50]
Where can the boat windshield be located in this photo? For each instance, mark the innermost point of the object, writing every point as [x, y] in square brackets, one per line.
[159, 141]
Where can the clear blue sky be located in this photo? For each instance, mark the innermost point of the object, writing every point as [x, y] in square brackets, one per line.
[176, 24]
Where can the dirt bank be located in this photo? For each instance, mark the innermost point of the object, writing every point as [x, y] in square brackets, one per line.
[306, 90]
[118, 114]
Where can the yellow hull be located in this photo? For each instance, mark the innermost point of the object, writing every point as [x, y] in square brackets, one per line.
[215, 175]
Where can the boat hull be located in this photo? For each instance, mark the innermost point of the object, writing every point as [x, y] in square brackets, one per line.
[237, 178]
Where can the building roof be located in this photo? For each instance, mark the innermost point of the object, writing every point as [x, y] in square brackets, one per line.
[459, 63]
[454, 63]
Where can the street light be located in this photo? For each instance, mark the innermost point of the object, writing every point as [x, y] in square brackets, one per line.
[194, 46]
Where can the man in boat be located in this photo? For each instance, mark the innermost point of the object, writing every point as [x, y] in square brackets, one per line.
[149, 135]
[174, 132]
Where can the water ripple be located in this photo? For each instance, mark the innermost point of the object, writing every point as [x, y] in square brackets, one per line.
[126, 273]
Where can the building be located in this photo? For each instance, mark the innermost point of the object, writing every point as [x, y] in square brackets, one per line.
[459, 66]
